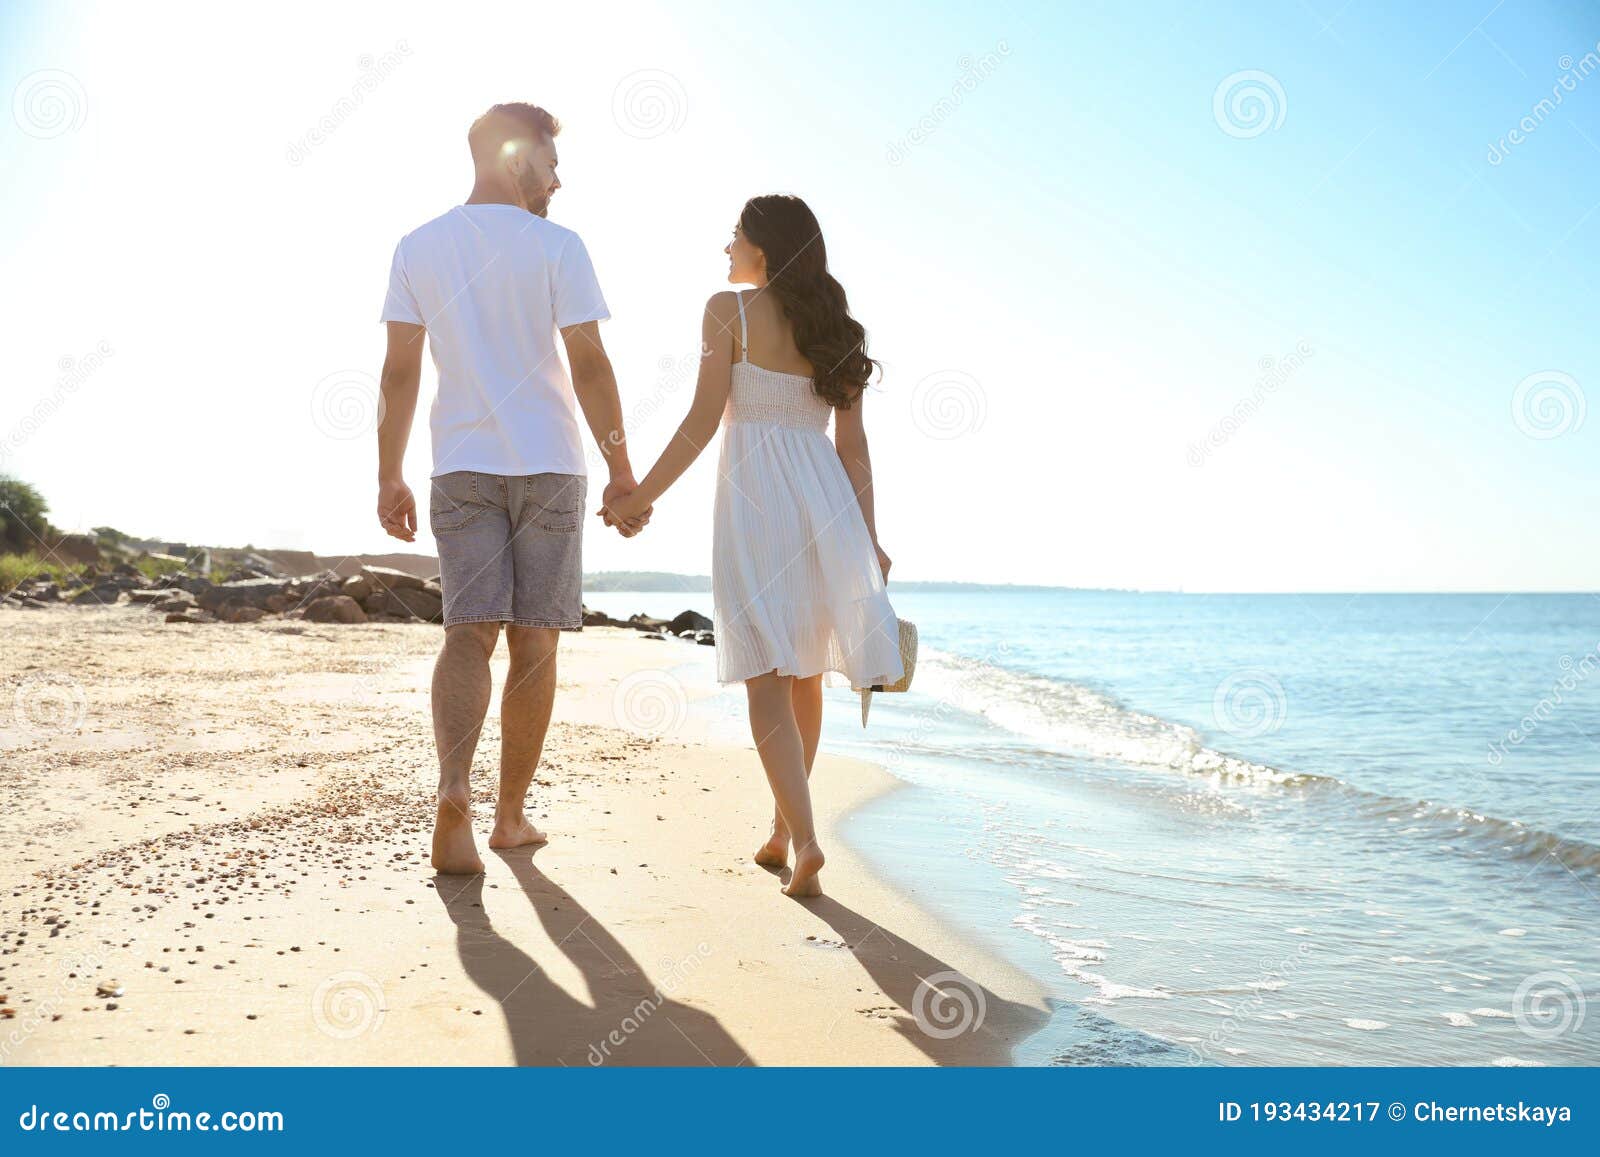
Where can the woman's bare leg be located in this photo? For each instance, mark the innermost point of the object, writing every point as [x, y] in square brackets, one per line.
[806, 695]
[783, 756]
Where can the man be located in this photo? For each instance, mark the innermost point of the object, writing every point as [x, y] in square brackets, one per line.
[491, 283]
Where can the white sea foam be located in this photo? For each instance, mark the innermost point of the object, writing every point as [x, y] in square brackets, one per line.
[1079, 719]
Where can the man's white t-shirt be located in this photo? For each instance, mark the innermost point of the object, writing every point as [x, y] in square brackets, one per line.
[493, 285]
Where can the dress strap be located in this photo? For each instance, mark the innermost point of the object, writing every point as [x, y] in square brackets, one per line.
[744, 333]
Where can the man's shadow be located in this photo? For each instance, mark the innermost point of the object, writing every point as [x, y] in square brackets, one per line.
[948, 1015]
[629, 1019]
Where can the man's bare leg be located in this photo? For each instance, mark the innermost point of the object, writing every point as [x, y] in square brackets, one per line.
[525, 706]
[806, 695]
[461, 689]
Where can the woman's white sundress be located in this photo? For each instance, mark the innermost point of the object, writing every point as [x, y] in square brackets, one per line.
[794, 578]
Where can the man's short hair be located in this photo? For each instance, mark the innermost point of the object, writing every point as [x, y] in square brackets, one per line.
[505, 123]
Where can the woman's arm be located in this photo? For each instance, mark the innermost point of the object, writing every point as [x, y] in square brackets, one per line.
[705, 412]
[850, 440]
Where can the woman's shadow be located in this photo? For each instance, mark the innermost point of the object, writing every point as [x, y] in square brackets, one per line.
[948, 1015]
[629, 1019]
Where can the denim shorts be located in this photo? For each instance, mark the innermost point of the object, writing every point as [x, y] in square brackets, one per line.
[510, 547]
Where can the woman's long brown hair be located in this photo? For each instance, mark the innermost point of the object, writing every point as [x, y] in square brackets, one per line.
[786, 231]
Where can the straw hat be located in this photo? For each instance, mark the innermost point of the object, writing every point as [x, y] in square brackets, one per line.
[908, 660]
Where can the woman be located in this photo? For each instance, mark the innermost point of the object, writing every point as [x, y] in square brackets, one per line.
[797, 572]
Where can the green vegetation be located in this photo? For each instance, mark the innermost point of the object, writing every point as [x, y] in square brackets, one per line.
[16, 568]
[22, 520]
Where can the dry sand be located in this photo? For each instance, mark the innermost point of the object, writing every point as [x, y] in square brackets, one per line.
[218, 840]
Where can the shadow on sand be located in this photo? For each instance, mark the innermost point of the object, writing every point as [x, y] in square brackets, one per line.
[949, 1016]
[630, 1018]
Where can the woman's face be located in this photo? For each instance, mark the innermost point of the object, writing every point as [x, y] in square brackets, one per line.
[747, 265]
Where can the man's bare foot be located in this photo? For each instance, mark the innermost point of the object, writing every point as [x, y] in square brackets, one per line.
[454, 851]
[514, 833]
[803, 881]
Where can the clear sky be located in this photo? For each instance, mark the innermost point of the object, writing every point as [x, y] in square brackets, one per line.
[1322, 325]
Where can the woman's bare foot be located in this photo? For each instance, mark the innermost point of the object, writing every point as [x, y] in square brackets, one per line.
[803, 880]
[454, 851]
[775, 852]
[515, 832]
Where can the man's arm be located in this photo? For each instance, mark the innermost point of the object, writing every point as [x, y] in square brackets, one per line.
[595, 384]
[398, 386]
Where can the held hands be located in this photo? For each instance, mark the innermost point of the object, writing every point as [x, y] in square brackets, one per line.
[397, 510]
[621, 509]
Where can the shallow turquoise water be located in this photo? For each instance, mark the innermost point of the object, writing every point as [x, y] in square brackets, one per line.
[1255, 829]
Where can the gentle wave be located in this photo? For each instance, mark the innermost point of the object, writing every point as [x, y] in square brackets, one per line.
[1087, 722]
[1082, 720]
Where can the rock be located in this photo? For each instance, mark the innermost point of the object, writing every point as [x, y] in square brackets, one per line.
[75, 548]
[335, 609]
[240, 612]
[277, 604]
[706, 639]
[174, 600]
[103, 593]
[390, 579]
[422, 604]
[689, 621]
[377, 603]
[645, 623]
[185, 617]
[595, 618]
[127, 570]
[653, 635]
[153, 594]
[252, 591]
[357, 586]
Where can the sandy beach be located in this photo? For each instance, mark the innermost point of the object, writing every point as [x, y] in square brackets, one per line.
[218, 845]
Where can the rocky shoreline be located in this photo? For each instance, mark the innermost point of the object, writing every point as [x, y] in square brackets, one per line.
[376, 594]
